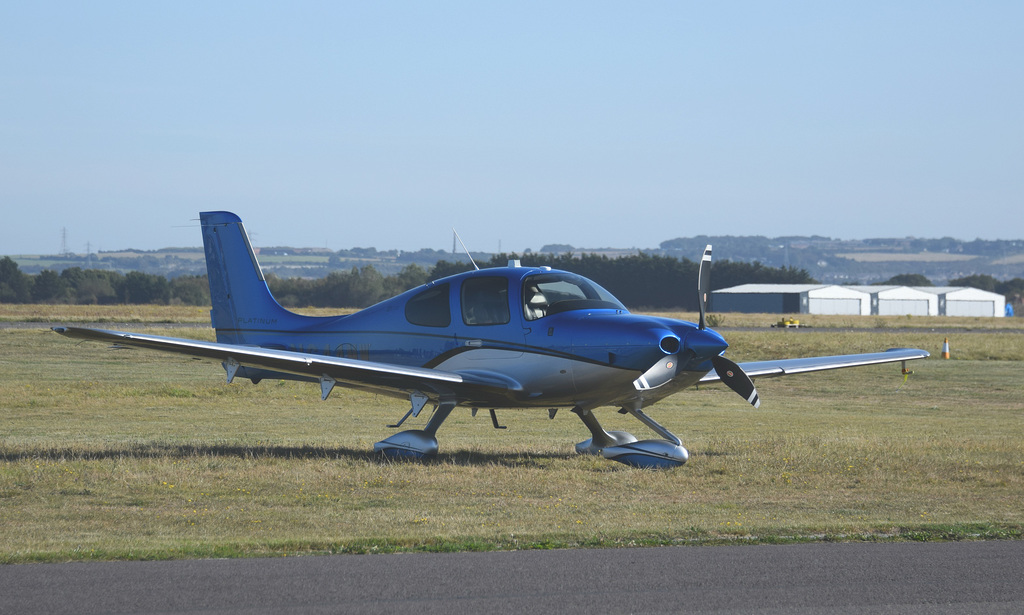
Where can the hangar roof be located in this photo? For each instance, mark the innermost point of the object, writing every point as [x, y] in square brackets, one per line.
[812, 289]
[772, 288]
[894, 292]
[960, 292]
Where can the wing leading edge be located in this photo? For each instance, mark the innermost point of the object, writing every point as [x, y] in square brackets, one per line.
[785, 367]
[382, 377]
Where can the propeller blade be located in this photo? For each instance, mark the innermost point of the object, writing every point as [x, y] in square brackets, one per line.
[659, 373]
[736, 379]
[703, 281]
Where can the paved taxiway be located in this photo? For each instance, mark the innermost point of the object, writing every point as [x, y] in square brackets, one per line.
[964, 577]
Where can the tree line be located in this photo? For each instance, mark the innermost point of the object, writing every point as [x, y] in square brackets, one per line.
[96, 286]
[639, 281]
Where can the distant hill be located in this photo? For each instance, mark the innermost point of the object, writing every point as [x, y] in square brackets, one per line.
[281, 260]
[866, 260]
[826, 260]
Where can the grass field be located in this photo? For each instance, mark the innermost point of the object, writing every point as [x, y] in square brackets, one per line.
[128, 454]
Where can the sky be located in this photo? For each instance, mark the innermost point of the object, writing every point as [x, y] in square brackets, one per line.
[519, 124]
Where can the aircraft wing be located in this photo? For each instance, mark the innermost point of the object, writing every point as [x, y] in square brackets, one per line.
[381, 377]
[785, 367]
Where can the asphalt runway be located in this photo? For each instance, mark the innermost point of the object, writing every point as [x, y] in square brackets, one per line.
[962, 577]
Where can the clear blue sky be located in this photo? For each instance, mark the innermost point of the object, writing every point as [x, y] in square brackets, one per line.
[596, 124]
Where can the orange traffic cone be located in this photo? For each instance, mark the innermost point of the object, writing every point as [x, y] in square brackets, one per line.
[945, 348]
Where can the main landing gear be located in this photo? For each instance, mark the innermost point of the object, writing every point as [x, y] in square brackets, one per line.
[416, 443]
[623, 446]
[620, 446]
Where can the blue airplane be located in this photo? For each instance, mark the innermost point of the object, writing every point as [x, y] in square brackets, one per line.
[505, 337]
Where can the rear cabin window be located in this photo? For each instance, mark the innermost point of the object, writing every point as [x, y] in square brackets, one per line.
[485, 301]
[430, 308]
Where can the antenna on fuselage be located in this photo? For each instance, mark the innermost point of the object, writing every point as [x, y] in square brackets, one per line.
[465, 248]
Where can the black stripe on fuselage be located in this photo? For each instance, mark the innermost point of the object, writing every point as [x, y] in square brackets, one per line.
[486, 344]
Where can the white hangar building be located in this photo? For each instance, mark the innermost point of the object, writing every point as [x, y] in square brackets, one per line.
[966, 301]
[792, 299]
[858, 300]
[900, 301]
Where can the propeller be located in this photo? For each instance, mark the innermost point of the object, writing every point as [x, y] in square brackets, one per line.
[731, 374]
[701, 345]
[703, 281]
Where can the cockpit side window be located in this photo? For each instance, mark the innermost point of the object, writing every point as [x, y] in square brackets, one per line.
[430, 308]
[485, 301]
[550, 293]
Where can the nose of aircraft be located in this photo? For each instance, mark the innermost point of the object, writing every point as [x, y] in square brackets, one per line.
[705, 343]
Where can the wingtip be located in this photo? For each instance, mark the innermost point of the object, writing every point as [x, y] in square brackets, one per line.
[924, 354]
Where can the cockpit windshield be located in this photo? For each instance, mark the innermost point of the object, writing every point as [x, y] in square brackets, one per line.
[550, 293]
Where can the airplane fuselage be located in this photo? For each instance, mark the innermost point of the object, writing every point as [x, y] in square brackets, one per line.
[576, 346]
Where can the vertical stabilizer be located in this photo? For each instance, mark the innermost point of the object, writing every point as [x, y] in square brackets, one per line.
[241, 299]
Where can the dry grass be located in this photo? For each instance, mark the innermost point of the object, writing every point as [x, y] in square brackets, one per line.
[758, 345]
[168, 314]
[920, 257]
[60, 313]
[141, 314]
[1010, 260]
[129, 454]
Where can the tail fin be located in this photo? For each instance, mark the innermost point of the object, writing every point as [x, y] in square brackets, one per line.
[243, 306]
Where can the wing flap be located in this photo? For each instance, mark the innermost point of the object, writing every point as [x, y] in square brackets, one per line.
[785, 367]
